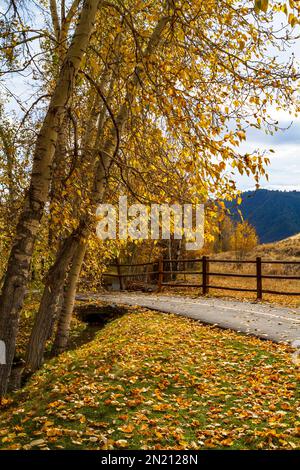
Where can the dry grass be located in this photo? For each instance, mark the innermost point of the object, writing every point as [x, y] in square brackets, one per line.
[284, 250]
[278, 285]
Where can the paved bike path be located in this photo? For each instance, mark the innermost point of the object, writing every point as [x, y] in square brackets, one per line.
[279, 324]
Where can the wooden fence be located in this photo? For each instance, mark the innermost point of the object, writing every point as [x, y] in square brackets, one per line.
[157, 272]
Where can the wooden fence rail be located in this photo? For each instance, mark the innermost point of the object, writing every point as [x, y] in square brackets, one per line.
[158, 273]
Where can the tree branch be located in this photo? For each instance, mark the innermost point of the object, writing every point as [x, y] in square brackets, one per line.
[55, 19]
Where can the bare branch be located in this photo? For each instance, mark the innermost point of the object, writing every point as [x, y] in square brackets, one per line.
[98, 89]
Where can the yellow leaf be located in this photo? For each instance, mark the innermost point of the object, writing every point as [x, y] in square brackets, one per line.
[126, 428]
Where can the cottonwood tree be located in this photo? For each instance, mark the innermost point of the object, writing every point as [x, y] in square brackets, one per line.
[15, 153]
[243, 239]
[15, 280]
[44, 317]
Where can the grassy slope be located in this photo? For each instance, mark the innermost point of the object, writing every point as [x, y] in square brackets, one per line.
[287, 249]
[150, 380]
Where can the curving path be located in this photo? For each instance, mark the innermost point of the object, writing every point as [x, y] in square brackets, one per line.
[280, 324]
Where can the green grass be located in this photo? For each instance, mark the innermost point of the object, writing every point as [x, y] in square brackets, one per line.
[156, 381]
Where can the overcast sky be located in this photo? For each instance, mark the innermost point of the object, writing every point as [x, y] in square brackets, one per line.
[284, 170]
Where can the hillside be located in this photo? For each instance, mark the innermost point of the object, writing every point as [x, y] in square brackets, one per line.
[274, 214]
[287, 249]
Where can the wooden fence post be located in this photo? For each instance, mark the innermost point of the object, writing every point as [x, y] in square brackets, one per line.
[160, 274]
[258, 279]
[119, 274]
[205, 275]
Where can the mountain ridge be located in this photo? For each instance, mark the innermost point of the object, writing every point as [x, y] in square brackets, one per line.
[274, 214]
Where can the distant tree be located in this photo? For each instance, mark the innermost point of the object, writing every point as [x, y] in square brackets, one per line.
[244, 239]
[223, 234]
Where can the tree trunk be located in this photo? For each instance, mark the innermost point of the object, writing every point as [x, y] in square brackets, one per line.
[58, 172]
[38, 337]
[45, 317]
[64, 321]
[19, 260]
[46, 314]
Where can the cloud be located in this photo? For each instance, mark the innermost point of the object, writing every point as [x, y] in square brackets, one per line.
[289, 134]
[284, 169]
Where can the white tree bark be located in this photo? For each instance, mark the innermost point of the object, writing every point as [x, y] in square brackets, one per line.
[64, 321]
[19, 261]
